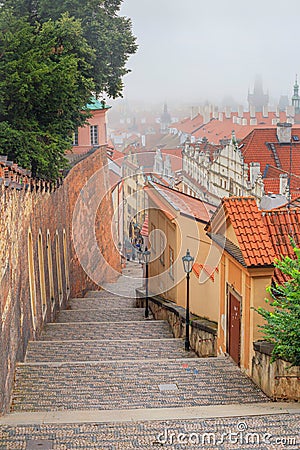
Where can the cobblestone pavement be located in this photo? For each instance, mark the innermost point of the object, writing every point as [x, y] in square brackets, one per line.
[260, 432]
[104, 350]
[103, 356]
[108, 302]
[106, 330]
[131, 384]
[102, 315]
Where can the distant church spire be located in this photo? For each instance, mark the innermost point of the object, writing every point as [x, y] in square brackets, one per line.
[165, 120]
[258, 99]
[295, 97]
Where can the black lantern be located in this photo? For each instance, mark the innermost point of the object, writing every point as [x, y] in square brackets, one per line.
[187, 260]
[146, 258]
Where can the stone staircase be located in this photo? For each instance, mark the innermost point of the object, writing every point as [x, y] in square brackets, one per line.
[103, 377]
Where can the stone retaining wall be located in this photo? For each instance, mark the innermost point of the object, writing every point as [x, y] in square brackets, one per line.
[203, 332]
[278, 380]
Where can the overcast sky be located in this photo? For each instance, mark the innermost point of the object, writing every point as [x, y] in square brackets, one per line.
[193, 50]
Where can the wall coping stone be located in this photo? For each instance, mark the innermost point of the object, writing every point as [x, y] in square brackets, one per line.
[195, 321]
[263, 347]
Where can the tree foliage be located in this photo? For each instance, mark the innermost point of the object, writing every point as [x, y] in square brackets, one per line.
[283, 322]
[53, 55]
[107, 33]
[43, 89]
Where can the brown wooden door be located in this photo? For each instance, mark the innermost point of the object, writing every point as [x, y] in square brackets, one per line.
[234, 328]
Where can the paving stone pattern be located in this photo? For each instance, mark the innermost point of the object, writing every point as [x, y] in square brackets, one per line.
[102, 315]
[107, 330]
[283, 433]
[108, 302]
[102, 354]
[134, 384]
[104, 350]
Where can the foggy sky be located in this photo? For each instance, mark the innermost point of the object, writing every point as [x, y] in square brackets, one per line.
[193, 50]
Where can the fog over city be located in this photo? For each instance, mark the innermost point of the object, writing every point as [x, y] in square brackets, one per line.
[195, 50]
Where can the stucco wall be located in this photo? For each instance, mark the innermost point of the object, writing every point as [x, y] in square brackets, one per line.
[203, 333]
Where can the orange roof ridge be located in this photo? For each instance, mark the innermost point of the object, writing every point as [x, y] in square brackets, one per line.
[251, 231]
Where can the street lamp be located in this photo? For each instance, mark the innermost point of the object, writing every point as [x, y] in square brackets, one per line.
[146, 256]
[187, 260]
[139, 255]
[120, 247]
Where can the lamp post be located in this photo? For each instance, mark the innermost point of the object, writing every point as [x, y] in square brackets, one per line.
[139, 255]
[136, 199]
[146, 255]
[187, 260]
[120, 247]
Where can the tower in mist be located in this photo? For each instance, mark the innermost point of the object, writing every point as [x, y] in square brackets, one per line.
[165, 120]
[296, 98]
[258, 98]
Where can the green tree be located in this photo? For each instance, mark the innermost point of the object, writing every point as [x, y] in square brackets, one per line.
[108, 33]
[53, 55]
[282, 326]
[44, 87]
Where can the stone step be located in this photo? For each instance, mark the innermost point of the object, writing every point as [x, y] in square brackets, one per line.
[260, 432]
[158, 329]
[101, 315]
[49, 351]
[98, 303]
[131, 384]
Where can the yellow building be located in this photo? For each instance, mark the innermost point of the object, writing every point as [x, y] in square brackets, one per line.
[176, 223]
[250, 240]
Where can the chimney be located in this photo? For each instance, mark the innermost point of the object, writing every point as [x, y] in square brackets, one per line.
[252, 111]
[193, 112]
[284, 132]
[240, 111]
[290, 111]
[283, 183]
[215, 112]
[254, 172]
[265, 111]
[227, 112]
[206, 115]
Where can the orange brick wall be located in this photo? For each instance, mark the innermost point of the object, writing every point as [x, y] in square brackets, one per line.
[44, 211]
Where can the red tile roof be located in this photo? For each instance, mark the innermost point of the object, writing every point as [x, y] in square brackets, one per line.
[262, 235]
[187, 205]
[216, 129]
[256, 148]
[283, 224]
[188, 125]
[250, 230]
[271, 185]
[153, 195]
[175, 158]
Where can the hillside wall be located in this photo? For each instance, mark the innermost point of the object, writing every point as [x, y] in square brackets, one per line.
[39, 267]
